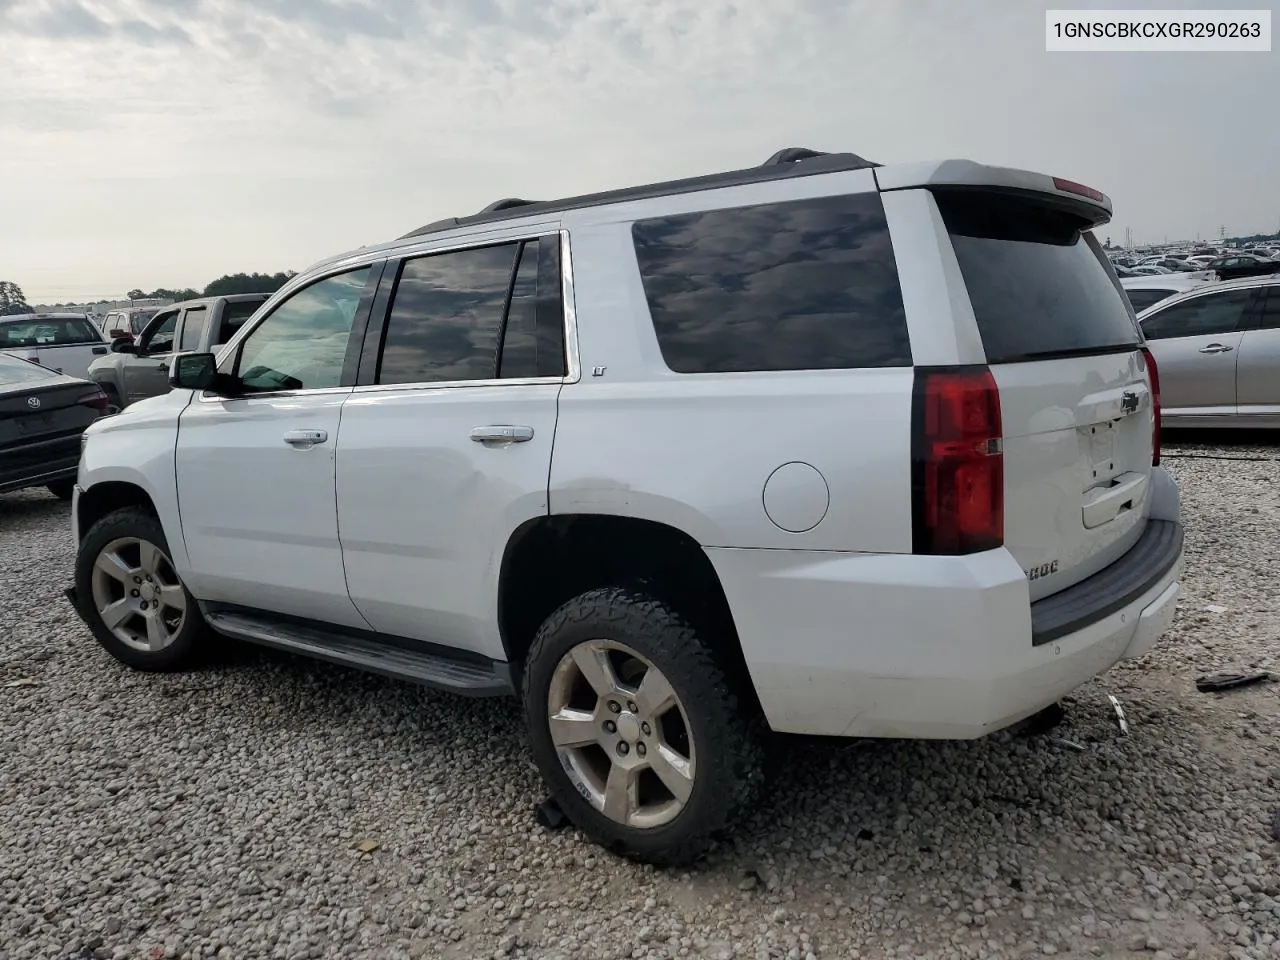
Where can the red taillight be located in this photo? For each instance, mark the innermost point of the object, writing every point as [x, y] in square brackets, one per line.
[958, 462]
[1153, 374]
[97, 400]
[1070, 186]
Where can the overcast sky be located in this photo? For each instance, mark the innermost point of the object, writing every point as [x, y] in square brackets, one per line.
[165, 142]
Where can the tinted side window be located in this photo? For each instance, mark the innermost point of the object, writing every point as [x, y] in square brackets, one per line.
[302, 344]
[533, 333]
[802, 285]
[233, 318]
[1213, 313]
[446, 316]
[1269, 319]
[1141, 299]
[193, 324]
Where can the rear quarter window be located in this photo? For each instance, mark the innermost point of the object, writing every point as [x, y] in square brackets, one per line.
[801, 285]
[1038, 287]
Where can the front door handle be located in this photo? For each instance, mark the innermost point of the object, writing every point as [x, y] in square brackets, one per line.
[501, 433]
[305, 438]
[1216, 348]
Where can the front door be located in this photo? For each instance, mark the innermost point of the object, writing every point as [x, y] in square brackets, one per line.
[146, 372]
[1196, 343]
[446, 449]
[256, 471]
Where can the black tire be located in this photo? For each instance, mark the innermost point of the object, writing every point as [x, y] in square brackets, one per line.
[726, 733]
[62, 489]
[185, 649]
[113, 399]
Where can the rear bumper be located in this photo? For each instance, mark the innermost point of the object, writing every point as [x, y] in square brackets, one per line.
[935, 647]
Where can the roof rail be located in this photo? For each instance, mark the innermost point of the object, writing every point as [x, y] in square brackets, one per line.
[786, 163]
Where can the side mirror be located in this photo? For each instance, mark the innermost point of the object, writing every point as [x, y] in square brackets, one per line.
[193, 371]
[123, 345]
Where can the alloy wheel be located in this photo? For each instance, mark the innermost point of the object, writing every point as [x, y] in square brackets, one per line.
[137, 594]
[621, 733]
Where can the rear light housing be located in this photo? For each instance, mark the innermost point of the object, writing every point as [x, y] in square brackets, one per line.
[1153, 374]
[957, 462]
[97, 400]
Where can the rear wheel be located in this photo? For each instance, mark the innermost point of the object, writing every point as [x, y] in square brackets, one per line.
[635, 727]
[62, 489]
[131, 596]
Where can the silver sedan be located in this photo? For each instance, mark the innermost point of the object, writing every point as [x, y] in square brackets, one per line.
[1217, 351]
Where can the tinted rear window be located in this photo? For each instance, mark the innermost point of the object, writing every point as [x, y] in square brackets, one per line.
[49, 332]
[1038, 289]
[802, 285]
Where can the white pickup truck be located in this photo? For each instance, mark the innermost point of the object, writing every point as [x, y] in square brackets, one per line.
[65, 342]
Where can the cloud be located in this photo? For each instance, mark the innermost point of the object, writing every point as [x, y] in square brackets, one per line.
[293, 129]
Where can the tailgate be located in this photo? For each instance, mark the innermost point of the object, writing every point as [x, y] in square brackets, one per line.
[1076, 399]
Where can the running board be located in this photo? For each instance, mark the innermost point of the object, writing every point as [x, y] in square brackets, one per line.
[426, 664]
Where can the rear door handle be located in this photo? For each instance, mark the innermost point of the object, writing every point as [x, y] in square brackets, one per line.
[501, 433]
[1216, 348]
[305, 438]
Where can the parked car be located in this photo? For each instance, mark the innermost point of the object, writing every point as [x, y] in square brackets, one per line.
[42, 415]
[1240, 265]
[126, 323]
[64, 342]
[1151, 270]
[1144, 291]
[1218, 351]
[813, 471]
[135, 370]
[1124, 271]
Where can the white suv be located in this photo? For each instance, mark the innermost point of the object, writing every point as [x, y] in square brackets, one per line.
[819, 446]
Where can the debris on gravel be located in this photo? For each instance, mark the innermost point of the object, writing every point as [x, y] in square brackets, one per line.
[274, 807]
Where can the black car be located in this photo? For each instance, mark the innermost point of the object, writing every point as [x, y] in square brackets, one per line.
[42, 414]
[1243, 265]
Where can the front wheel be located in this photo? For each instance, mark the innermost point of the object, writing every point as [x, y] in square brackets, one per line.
[130, 595]
[636, 728]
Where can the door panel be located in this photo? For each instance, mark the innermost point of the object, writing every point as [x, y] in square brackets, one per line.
[445, 448]
[1196, 342]
[256, 467]
[1258, 369]
[258, 512]
[146, 373]
[425, 511]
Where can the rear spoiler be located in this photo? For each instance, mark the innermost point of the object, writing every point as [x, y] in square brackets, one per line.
[1093, 205]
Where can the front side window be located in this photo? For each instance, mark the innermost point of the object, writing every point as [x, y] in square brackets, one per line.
[1209, 315]
[193, 324]
[801, 285]
[302, 344]
[159, 338]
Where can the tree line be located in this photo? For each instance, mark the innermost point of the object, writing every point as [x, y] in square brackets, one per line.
[223, 286]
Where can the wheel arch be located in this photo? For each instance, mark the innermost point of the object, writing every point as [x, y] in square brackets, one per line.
[551, 559]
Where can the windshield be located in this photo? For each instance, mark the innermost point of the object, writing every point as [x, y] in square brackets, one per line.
[49, 332]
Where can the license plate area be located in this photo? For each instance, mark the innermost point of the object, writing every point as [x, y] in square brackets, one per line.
[1101, 445]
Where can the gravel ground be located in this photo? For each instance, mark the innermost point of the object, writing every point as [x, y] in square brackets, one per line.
[271, 807]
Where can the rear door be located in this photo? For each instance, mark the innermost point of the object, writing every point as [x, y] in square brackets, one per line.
[445, 446]
[1196, 343]
[1258, 368]
[146, 372]
[1075, 396]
